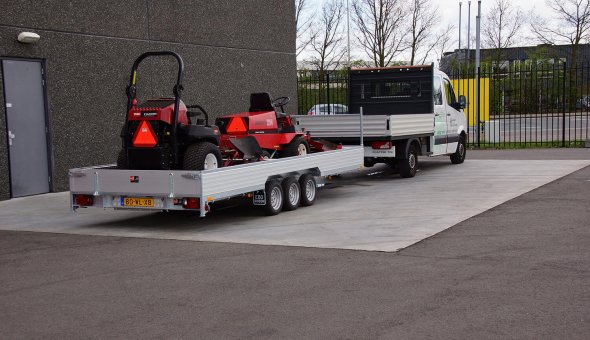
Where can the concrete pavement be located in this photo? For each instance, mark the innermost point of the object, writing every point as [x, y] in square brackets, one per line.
[519, 270]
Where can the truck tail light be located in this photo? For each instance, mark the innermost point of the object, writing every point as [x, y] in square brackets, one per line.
[84, 200]
[191, 203]
[381, 145]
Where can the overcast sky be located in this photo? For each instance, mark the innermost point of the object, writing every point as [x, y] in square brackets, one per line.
[449, 10]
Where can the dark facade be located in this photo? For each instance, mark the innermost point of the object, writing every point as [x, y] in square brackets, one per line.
[230, 48]
[549, 53]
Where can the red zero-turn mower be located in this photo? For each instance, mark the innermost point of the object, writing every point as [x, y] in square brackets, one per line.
[162, 134]
[263, 133]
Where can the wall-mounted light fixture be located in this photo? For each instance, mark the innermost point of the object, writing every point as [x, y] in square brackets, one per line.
[28, 37]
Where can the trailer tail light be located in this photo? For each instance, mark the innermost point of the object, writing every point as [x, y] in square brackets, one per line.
[381, 145]
[145, 137]
[84, 200]
[191, 203]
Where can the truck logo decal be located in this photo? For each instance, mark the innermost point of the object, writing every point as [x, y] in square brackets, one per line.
[134, 179]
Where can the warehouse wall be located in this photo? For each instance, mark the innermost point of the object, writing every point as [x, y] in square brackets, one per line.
[230, 49]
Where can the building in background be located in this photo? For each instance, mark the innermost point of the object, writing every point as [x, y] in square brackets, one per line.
[63, 96]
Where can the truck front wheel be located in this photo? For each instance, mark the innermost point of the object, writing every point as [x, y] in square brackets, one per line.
[409, 165]
[459, 156]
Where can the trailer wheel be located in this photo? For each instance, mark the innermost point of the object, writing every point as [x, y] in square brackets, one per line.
[408, 166]
[122, 160]
[297, 147]
[308, 189]
[459, 156]
[274, 198]
[202, 156]
[291, 193]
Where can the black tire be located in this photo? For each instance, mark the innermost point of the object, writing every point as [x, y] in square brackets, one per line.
[274, 198]
[202, 156]
[409, 165]
[459, 156]
[122, 160]
[369, 162]
[265, 154]
[295, 148]
[291, 194]
[308, 189]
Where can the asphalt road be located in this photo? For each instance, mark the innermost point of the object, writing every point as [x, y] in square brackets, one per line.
[519, 270]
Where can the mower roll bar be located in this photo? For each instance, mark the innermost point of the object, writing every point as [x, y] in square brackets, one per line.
[177, 90]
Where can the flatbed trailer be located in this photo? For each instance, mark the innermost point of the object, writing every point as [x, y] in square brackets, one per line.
[110, 188]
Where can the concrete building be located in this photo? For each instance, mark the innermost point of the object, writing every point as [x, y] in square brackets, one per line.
[63, 101]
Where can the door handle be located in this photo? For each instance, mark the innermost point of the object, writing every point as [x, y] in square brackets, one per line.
[448, 114]
[10, 137]
[436, 114]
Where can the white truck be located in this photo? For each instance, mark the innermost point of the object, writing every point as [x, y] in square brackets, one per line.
[407, 111]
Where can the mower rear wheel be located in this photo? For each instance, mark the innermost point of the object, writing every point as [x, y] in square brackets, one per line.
[202, 156]
[122, 160]
[298, 147]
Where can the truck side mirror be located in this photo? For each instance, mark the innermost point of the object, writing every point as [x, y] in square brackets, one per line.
[462, 102]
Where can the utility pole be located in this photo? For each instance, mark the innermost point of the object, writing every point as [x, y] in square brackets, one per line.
[477, 56]
[348, 30]
[468, 36]
[460, 14]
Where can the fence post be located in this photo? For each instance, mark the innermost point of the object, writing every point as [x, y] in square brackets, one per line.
[564, 106]
[328, 90]
[477, 106]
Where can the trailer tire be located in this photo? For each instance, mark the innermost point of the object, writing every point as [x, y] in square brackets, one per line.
[459, 156]
[298, 147]
[291, 193]
[308, 187]
[202, 156]
[274, 198]
[122, 160]
[408, 166]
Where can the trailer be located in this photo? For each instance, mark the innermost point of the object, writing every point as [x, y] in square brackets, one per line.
[406, 112]
[274, 184]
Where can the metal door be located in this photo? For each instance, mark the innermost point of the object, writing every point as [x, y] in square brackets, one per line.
[439, 146]
[27, 128]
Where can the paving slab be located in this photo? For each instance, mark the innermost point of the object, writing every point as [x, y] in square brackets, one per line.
[369, 210]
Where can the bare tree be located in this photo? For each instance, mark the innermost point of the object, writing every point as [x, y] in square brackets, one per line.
[442, 42]
[303, 22]
[327, 38]
[570, 24]
[501, 27]
[381, 30]
[424, 17]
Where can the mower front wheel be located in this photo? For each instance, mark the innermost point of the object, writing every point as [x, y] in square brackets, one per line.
[298, 147]
[202, 156]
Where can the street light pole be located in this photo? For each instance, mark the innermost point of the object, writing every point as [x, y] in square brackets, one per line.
[477, 56]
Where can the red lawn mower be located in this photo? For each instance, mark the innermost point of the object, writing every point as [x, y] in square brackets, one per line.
[262, 133]
[162, 134]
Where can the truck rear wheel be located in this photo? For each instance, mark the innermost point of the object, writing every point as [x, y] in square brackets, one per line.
[297, 147]
[308, 189]
[202, 156]
[409, 165]
[291, 193]
[274, 198]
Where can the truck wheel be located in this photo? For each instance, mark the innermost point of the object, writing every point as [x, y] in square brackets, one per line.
[122, 160]
[202, 156]
[408, 166]
[308, 188]
[292, 194]
[274, 198]
[297, 147]
[459, 156]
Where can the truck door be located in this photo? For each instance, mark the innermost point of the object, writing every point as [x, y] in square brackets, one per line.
[440, 118]
[452, 117]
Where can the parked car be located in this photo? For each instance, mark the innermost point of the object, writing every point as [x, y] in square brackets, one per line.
[328, 109]
[583, 103]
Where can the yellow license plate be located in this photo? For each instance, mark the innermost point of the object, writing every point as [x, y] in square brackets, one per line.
[143, 202]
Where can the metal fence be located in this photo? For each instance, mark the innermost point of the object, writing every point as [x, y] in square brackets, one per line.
[521, 105]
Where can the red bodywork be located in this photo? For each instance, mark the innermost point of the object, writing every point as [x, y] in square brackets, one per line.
[263, 126]
[158, 109]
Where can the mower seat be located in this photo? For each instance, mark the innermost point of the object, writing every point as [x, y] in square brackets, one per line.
[260, 102]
